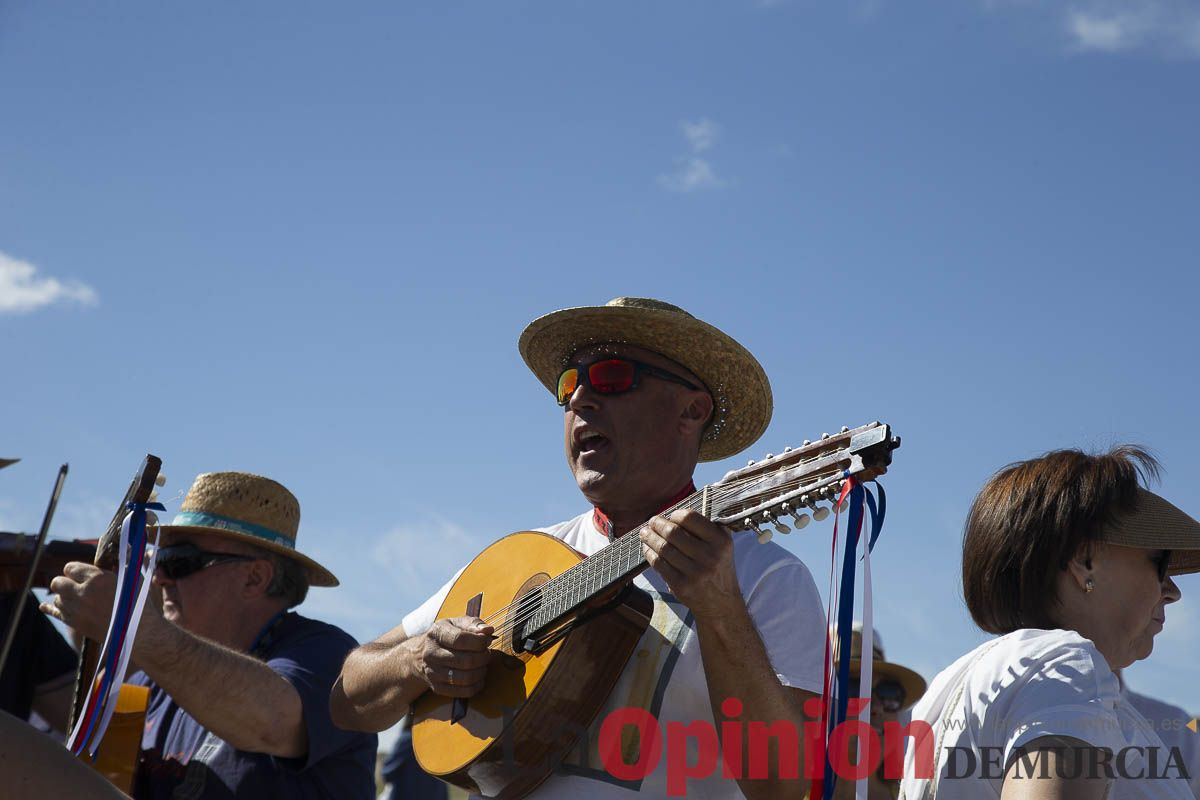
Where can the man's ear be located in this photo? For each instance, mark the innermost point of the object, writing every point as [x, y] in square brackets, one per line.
[698, 410]
[258, 578]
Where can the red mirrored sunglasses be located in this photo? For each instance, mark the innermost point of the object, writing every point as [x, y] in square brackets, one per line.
[611, 376]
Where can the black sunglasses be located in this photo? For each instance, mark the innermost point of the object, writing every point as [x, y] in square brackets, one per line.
[611, 376]
[1163, 563]
[178, 561]
[889, 694]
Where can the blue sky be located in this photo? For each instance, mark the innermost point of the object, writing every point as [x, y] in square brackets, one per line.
[302, 239]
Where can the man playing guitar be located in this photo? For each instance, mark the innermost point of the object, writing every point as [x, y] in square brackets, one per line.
[647, 391]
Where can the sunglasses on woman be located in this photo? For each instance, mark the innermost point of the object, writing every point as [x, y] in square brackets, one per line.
[611, 376]
[178, 561]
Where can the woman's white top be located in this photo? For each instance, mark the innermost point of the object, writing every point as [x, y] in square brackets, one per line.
[1020, 687]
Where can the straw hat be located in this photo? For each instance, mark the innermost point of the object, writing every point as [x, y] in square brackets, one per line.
[248, 508]
[1155, 524]
[739, 387]
[914, 685]
[8, 462]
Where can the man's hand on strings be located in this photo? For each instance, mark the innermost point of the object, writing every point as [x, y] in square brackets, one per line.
[453, 656]
[694, 556]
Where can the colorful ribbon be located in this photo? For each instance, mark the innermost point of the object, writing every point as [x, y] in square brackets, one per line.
[129, 601]
[836, 685]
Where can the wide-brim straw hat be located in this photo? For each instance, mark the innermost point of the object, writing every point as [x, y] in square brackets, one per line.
[248, 508]
[8, 462]
[1156, 524]
[739, 387]
[914, 685]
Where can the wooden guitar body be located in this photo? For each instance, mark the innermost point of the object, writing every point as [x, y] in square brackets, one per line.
[534, 705]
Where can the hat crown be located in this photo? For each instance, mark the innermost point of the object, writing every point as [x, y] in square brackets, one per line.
[648, 303]
[245, 497]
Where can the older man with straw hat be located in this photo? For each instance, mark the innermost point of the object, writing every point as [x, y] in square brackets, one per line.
[738, 629]
[239, 702]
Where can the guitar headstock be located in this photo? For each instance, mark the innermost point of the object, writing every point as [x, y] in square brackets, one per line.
[801, 481]
[141, 490]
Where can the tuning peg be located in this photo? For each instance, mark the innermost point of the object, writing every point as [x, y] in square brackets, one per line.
[771, 519]
[845, 428]
[160, 480]
[763, 536]
[750, 463]
[820, 513]
[770, 456]
[824, 435]
[787, 449]
[800, 519]
[806, 443]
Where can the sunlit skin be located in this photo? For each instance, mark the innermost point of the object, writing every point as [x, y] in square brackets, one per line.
[211, 602]
[641, 462]
[1126, 608]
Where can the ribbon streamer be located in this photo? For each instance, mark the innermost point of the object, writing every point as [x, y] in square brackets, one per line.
[836, 687]
[129, 601]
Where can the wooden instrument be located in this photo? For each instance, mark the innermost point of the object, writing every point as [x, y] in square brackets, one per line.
[566, 625]
[118, 754]
[16, 558]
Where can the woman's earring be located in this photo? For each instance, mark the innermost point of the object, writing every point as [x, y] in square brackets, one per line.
[1089, 585]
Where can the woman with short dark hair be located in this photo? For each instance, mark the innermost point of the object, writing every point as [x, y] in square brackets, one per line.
[1070, 560]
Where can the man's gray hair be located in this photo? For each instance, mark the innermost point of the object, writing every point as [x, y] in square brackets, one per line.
[289, 581]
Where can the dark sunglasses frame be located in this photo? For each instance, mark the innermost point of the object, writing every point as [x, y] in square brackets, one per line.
[897, 698]
[178, 561]
[639, 368]
[1164, 565]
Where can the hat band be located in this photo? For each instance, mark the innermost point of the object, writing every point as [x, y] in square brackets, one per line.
[203, 519]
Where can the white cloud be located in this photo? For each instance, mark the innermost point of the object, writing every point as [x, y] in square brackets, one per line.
[693, 173]
[690, 175]
[22, 290]
[1106, 33]
[700, 135]
[1168, 28]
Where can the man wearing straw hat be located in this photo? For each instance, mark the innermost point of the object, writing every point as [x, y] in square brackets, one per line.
[239, 702]
[648, 391]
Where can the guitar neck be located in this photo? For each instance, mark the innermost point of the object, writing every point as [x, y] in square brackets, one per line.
[609, 567]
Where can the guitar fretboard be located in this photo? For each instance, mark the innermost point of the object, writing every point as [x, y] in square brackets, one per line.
[607, 567]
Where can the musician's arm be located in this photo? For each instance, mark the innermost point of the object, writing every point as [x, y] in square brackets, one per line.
[695, 557]
[235, 696]
[381, 679]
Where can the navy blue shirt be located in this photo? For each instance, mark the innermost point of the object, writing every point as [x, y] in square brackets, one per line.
[181, 760]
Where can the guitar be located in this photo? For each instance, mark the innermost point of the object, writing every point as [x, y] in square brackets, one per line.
[566, 625]
[118, 754]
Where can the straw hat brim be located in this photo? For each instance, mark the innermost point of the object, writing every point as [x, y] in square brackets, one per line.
[317, 574]
[8, 462]
[1156, 524]
[739, 387]
[914, 685]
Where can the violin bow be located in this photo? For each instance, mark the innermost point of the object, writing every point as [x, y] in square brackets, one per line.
[39, 544]
[106, 558]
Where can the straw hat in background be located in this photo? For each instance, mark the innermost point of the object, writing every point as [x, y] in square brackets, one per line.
[914, 685]
[8, 462]
[248, 508]
[739, 387]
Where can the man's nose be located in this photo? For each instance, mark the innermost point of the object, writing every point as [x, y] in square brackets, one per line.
[583, 397]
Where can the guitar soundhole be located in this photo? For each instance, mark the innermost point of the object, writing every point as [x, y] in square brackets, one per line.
[525, 603]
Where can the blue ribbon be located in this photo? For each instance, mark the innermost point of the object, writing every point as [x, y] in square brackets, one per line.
[127, 596]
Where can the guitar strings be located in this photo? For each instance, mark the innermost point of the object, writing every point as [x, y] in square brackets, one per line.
[527, 606]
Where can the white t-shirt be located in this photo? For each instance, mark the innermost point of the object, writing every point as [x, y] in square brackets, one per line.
[1021, 687]
[1170, 723]
[665, 675]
